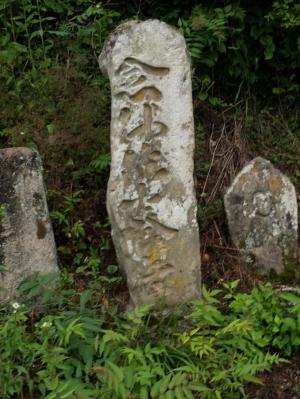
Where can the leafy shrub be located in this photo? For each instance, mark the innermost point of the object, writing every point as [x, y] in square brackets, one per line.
[273, 315]
[66, 345]
[35, 32]
[245, 44]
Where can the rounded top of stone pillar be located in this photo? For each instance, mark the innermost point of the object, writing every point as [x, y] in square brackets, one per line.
[131, 39]
[257, 174]
[15, 157]
[15, 151]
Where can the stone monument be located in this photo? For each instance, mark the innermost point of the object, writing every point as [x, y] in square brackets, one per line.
[261, 209]
[150, 197]
[26, 238]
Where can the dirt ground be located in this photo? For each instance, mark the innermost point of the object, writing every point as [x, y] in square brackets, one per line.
[282, 382]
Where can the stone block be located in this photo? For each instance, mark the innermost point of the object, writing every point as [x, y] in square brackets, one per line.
[261, 207]
[26, 237]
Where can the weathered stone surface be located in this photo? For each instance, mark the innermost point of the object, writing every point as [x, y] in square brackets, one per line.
[261, 209]
[26, 237]
[150, 195]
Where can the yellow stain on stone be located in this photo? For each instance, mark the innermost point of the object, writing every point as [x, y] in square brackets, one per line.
[177, 281]
[275, 185]
[157, 252]
[244, 178]
[247, 176]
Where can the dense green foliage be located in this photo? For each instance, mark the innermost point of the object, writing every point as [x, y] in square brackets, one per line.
[244, 40]
[64, 344]
[76, 342]
[234, 44]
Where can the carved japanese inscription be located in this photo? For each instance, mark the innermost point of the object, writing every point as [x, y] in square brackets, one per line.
[261, 208]
[150, 197]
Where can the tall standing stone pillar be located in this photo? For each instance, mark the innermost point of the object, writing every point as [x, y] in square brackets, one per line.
[150, 197]
[26, 237]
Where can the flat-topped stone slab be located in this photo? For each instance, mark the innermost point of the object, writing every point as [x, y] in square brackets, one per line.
[261, 207]
[150, 197]
[26, 237]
